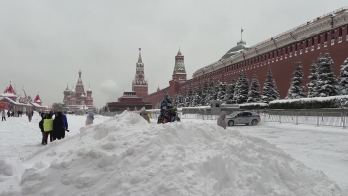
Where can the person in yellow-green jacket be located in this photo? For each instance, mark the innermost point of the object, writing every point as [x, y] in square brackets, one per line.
[48, 128]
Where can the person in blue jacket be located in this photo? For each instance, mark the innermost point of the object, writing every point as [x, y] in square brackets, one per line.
[65, 125]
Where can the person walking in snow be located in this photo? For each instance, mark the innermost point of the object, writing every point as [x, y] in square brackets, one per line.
[43, 116]
[65, 125]
[145, 114]
[58, 124]
[8, 114]
[90, 118]
[221, 120]
[48, 128]
[30, 116]
[3, 115]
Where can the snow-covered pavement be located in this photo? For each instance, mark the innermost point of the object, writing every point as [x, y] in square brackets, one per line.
[320, 148]
[19, 137]
[127, 156]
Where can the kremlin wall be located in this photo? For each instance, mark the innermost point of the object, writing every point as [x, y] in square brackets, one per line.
[327, 33]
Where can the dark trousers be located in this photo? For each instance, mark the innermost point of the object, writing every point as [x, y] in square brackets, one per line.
[59, 134]
[46, 134]
[43, 138]
[3, 118]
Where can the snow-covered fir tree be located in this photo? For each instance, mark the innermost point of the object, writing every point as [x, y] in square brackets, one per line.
[241, 89]
[210, 93]
[270, 91]
[343, 78]
[180, 102]
[204, 92]
[221, 95]
[189, 96]
[297, 90]
[196, 99]
[230, 90]
[313, 84]
[254, 91]
[327, 82]
[175, 100]
[216, 91]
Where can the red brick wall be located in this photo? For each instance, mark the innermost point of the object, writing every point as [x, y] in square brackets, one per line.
[282, 69]
[141, 91]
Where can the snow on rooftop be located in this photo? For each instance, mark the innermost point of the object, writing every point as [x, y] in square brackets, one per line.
[128, 156]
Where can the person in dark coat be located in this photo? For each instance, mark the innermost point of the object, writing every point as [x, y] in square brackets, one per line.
[41, 127]
[8, 114]
[58, 125]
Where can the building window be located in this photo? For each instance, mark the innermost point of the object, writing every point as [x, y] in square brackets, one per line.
[319, 39]
[296, 47]
[312, 41]
[306, 43]
[340, 32]
[325, 37]
[333, 34]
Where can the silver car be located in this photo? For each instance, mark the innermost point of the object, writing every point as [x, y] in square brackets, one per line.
[243, 117]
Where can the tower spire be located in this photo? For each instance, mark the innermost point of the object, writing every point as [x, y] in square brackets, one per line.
[80, 73]
[139, 59]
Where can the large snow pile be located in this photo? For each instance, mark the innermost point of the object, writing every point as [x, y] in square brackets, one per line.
[128, 156]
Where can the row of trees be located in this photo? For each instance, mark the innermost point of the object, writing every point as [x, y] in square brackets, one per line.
[323, 82]
[235, 92]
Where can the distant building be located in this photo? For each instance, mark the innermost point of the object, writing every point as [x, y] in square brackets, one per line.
[77, 98]
[128, 100]
[21, 102]
[134, 99]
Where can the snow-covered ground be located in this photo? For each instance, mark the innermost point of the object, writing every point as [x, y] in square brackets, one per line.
[320, 148]
[19, 137]
[127, 156]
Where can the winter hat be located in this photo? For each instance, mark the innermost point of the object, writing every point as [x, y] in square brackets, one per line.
[223, 113]
[90, 115]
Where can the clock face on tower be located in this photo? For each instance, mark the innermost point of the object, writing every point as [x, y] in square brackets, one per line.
[140, 76]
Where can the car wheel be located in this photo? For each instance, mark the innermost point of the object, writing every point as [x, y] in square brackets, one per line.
[230, 123]
[254, 122]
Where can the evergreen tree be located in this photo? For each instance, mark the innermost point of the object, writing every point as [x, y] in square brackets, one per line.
[196, 99]
[230, 90]
[209, 95]
[313, 84]
[270, 91]
[327, 82]
[199, 94]
[189, 96]
[254, 92]
[343, 78]
[241, 89]
[221, 91]
[297, 90]
[216, 91]
[175, 100]
[204, 93]
[180, 100]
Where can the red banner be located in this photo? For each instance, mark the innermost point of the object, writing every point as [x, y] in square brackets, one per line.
[3, 105]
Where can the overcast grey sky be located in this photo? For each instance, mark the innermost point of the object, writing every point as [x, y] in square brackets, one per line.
[44, 43]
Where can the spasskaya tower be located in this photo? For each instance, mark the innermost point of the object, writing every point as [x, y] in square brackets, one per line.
[139, 85]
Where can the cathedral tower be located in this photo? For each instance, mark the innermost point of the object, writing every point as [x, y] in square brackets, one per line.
[139, 85]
